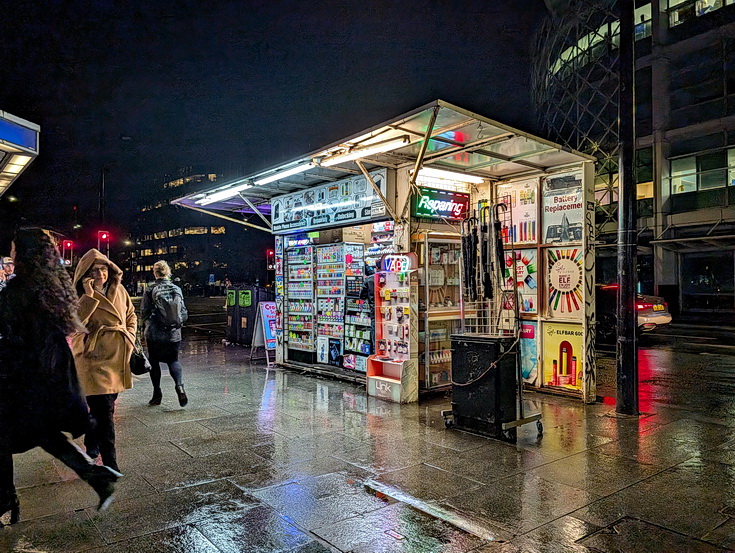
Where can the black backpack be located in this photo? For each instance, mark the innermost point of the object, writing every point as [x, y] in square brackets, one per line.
[168, 306]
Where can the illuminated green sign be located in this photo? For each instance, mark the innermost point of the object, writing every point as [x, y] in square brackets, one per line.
[440, 204]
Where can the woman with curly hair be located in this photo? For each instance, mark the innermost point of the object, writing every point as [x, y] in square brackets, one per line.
[40, 397]
[102, 355]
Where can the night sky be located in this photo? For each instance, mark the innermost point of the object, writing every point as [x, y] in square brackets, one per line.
[143, 88]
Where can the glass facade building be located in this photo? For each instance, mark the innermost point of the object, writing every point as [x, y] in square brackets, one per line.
[685, 135]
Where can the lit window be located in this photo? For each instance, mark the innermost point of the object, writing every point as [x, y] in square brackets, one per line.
[195, 230]
[181, 265]
[175, 232]
[161, 250]
[159, 235]
[173, 249]
[731, 166]
[217, 230]
[683, 175]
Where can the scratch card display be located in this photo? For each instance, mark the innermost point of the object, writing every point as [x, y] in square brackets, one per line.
[564, 285]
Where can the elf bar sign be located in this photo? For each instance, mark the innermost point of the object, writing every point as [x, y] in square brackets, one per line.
[440, 204]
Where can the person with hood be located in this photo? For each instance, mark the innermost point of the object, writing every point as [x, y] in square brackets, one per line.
[102, 354]
[163, 312]
[40, 397]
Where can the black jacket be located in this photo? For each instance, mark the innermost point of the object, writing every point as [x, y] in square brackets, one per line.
[153, 331]
[39, 389]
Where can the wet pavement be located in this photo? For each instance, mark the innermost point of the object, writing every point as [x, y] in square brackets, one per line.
[276, 461]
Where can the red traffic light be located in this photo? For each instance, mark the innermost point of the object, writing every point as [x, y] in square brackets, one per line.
[68, 244]
[103, 235]
[270, 253]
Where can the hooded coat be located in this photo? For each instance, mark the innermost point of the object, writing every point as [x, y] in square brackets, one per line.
[102, 355]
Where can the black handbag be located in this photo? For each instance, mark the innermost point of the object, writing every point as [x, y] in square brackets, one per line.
[139, 364]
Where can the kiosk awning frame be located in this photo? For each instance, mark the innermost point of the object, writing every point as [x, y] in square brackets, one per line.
[458, 140]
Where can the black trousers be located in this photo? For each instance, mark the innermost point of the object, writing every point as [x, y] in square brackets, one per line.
[102, 436]
[55, 443]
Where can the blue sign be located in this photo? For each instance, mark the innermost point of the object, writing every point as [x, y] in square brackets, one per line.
[18, 135]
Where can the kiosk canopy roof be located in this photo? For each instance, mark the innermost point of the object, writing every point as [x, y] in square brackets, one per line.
[460, 141]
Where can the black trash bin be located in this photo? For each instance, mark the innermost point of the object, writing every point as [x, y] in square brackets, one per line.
[481, 403]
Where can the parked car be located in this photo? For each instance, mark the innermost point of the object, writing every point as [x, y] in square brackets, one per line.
[653, 312]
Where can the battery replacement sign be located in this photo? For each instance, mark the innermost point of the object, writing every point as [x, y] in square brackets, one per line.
[347, 202]
[440, 204]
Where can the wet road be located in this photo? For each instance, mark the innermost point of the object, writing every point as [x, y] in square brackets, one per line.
[275, 461]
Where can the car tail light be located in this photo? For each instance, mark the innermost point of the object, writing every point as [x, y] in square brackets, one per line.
[643, 305]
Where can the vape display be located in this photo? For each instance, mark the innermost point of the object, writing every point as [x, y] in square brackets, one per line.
[392, 369]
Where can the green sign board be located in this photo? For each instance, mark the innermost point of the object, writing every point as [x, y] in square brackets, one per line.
[245, 298]
[230, 298]
[431, 203]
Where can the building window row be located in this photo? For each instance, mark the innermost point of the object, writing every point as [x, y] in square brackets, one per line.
[703, 171]
[684, 10]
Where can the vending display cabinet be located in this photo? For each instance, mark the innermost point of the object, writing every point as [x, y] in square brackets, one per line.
[330, 302]
[299, 304]
[392, 372]
[358, 334]
[440, 305]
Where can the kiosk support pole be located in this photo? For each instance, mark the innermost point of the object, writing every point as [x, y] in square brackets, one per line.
[420, 160]
[627, 347]
[391, 212]
[226, 218]
[255, 209]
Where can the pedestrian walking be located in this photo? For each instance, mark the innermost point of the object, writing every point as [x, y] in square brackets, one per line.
[163, 312]
[103, 354]
[40, 396]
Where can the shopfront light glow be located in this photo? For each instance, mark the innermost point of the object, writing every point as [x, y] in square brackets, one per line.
[358, 153]
[449, 175]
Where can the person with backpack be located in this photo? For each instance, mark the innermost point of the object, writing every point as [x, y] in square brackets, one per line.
[163, 313]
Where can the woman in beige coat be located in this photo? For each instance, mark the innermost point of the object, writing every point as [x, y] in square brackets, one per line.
[102, 355]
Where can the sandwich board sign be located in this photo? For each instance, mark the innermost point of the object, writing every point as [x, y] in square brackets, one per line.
[264, 335]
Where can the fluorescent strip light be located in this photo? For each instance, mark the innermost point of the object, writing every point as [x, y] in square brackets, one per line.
[223, 194]
[449, 175]
[235, 190]
[284, 174]
[379, 148]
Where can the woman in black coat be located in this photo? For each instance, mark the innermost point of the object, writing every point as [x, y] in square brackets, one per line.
[39, 392]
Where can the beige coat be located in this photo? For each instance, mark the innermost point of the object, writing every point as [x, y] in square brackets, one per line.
[102, 355]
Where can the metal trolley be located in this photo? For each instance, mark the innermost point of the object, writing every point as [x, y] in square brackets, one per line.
[487, 384]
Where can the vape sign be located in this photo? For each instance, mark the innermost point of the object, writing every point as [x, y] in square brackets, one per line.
[440, 204]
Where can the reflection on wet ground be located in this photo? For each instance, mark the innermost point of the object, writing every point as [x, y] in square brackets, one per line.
[275, 461]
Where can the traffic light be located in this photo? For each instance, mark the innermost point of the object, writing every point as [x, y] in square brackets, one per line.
[103, 239]
[270, 257]
[67, 252]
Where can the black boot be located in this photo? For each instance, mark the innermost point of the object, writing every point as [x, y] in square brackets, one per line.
[183, 400]
[9, 503]
[102, 479]
[157, 397]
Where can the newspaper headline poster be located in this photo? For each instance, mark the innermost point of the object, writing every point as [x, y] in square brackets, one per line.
[521, 199]
[563, 355]
[526, 275]
[563, 208]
